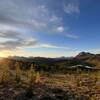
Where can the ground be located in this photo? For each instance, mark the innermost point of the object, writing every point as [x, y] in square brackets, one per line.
[84, 86]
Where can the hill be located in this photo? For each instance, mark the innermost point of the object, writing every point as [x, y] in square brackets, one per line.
[89, 58]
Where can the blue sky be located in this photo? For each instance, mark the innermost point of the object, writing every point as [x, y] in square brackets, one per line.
[49, 28]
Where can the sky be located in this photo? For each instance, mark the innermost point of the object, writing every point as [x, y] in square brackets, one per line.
[49, 28]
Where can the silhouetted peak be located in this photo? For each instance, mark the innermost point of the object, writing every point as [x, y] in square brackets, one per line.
[85, 54]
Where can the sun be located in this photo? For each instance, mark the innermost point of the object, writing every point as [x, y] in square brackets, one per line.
[3, 54]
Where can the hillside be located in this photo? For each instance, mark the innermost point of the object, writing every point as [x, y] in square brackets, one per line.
[89, 58]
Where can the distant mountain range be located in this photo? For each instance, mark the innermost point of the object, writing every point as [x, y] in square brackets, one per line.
[83, 60]
[83, 57]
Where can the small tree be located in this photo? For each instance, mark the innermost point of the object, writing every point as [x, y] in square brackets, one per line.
[18, 72]
[37, 80]
[31, 75]
[5, 73]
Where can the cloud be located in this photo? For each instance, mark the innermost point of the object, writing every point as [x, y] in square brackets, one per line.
[13, 41]
[36, 16]
[12, 38]
[51, 46]
[17, 44]
[60, 29]
[72, 7]
[9, 34]
[73, 36]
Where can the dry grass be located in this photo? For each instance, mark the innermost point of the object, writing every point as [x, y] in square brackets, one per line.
[83, 85]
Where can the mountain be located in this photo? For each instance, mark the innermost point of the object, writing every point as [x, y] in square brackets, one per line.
[89, 58]
[37, 60]
[83, 60]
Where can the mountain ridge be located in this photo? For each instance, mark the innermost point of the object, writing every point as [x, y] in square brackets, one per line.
[89, 58]
[83, 59]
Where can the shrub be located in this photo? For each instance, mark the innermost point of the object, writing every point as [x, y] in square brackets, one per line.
[31, 74]
[5, 73]
[18, 72]
[37, 80]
